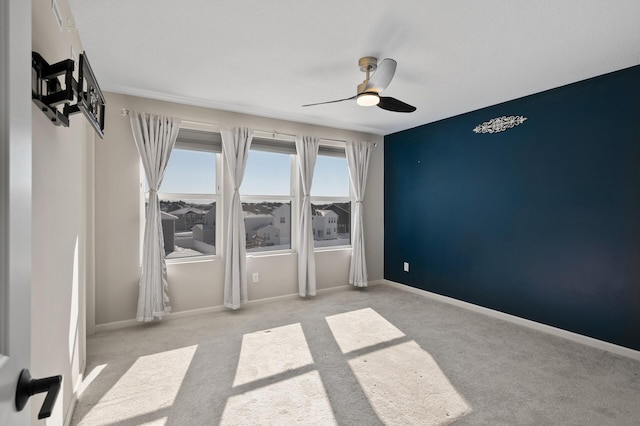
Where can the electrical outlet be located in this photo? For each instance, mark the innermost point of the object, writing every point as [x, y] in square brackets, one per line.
[405, 267]
[256, 277]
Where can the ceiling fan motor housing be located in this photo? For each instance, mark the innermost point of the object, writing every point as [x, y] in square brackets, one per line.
[368, 63]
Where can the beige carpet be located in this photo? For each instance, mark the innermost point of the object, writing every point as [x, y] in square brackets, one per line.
[354, 357]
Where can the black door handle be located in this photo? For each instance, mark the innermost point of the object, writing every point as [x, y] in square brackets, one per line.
[27, 387]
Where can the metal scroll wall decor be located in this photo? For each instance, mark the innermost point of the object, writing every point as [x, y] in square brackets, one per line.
[499, 124]
[53, 84]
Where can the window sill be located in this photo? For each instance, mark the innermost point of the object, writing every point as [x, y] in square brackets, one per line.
[293, 252]
[261, 254]
[334, 248]
[266, 253]
[193, 259]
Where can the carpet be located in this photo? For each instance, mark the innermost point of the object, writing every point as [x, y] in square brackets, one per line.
[354, 357]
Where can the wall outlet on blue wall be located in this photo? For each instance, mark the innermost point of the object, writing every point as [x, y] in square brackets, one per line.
[405, 267]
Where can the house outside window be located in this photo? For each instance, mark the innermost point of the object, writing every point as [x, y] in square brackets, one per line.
[189, 194]
[267, 194]
[331, 198]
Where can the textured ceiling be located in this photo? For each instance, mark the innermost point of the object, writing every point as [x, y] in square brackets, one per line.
[270, 57]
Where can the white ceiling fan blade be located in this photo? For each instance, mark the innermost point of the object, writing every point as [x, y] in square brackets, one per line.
[382, 76]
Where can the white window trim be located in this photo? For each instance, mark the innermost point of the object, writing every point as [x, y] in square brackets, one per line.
[327, 199]
[217, 197]
[292, 198]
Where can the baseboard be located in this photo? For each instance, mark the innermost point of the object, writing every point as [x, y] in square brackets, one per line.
[579, 338]
[115, 325]
[575, 337]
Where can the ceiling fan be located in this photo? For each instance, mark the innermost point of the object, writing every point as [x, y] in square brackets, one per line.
[377, 79]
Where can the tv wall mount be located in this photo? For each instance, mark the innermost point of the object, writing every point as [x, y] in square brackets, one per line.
[53, 85]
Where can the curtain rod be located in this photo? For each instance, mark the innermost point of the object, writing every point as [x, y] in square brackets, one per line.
[274, 133]
[125, 112]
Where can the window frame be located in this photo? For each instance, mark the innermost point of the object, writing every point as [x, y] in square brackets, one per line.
[169, 196]
[292, 199]
[329, 199]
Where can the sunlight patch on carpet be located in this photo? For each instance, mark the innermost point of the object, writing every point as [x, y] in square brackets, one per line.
[403, 383]
[406, 386]
[271, 352]
[360, 329]
[298, 400]
[149, 385]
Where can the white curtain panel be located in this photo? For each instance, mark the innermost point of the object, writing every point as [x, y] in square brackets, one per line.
[358, 154]
[155, 137]
[307, 149]
[235, 145]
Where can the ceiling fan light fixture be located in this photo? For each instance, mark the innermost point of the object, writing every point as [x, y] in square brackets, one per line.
[368, 99]
[368, 92]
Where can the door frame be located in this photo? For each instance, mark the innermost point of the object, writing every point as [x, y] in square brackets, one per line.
[15, 203]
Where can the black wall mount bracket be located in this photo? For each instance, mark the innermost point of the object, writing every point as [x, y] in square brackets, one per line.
[53, 85]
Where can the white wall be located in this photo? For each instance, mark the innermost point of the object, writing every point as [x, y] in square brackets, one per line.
[61, 195]
[199, 284]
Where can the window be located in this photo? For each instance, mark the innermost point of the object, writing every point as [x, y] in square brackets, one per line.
[266, 194]
[330, 198]
[189, 194]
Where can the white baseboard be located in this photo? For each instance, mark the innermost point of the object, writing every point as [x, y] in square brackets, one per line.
[579, 338]
[575, 337]
[221, 308]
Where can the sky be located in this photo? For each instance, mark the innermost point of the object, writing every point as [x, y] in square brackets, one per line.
[266, 173]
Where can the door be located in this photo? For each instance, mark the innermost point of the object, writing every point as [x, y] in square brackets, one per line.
[15, 203]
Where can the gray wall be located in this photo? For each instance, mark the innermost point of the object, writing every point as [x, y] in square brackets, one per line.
[61, 228]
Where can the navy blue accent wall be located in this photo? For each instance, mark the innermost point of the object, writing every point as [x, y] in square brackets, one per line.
[541, 221]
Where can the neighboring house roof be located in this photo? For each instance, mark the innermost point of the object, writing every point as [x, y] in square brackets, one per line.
[338, 207]
[264, 228]
[267, 208]
[186, 210]
[258, 208]
[326, 213]
[167, 216]
[251, 214]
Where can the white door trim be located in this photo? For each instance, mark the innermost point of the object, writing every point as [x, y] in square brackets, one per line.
[15, 202]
